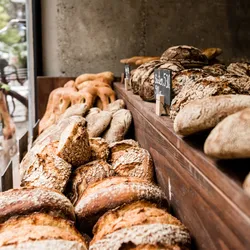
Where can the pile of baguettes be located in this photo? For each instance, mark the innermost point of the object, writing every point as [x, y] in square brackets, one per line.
[206, 95]
[109, 187]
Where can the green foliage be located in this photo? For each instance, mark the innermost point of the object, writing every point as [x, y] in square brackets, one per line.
[11, 36]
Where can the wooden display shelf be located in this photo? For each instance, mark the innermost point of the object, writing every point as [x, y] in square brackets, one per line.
[204, 193]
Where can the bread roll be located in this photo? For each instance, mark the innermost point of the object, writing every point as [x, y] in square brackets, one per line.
[115, 106]
[134, 162]
[98, 121]
[99, 148]
[25, 201]
[119, 126]
[74, 144]
[117, 148]
[86, 175]
[246, 184]
[231, 137]
[111, 193]
[48, 170]
[206, 113]
[139, 215]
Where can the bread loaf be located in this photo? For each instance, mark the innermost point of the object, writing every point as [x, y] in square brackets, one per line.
[246, 184]
[99, 148]
[74, 144]
[48, 170]
[117, 149]
[139, 215]
[231, 137]
[79, 109]
[188, 56]
[111, 193]
[146, 60]
[86, 175]
[206, 113]
[119, 126]
[98, 121]
[134, 162]
[24, 201]
[239, 69]
[212, 53]
[157, 246]
[115, 106]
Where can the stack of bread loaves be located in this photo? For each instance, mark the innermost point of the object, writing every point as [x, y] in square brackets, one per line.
[109, 181]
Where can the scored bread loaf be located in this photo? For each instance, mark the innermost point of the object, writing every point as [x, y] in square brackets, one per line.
[206, 113]
[86, 175]
[231, 137]
[115, 106]
[157, 246]
[246, 184]
[98, 121]
[48, 170]
[138, 223]
[111, 193]
[25, 201]
[74, 144]
[134, 162]
[99, 148]
[119, 126]
[117, 148]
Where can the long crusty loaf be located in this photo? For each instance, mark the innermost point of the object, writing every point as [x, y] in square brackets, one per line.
[231, 137]
[86, 175]
[134, 162]
[206, 113]
[99, 148]
[119, 126]
[25, 201]
[111, 193]
[74, 144]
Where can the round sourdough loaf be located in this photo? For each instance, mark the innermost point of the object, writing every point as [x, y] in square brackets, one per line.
[74, 144]
[137, 213]
[86, 175]
[134, 162]
[231, 137]
[25, 201]
[117, 149]
[119, 126]
[111, 193]
[99, 148]
[48, 170]
[206, 113]
[21, 229]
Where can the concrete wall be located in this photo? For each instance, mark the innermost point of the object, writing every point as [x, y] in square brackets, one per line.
[91, 36]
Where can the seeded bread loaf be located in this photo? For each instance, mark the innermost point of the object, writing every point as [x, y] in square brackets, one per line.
[117, 149]
[206, 113]
[24, 201]
[48, 170]
[131, 219]
[134, 162]
[119, 126]
[111, 193]
[86, 175]
[98, 121]
[99, 148]
[74, 144]
[231, 137]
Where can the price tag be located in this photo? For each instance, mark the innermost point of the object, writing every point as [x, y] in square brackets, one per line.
[163, 85]
[127, 71]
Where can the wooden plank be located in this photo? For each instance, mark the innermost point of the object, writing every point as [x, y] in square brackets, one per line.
[212, 205]
[7, 178]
